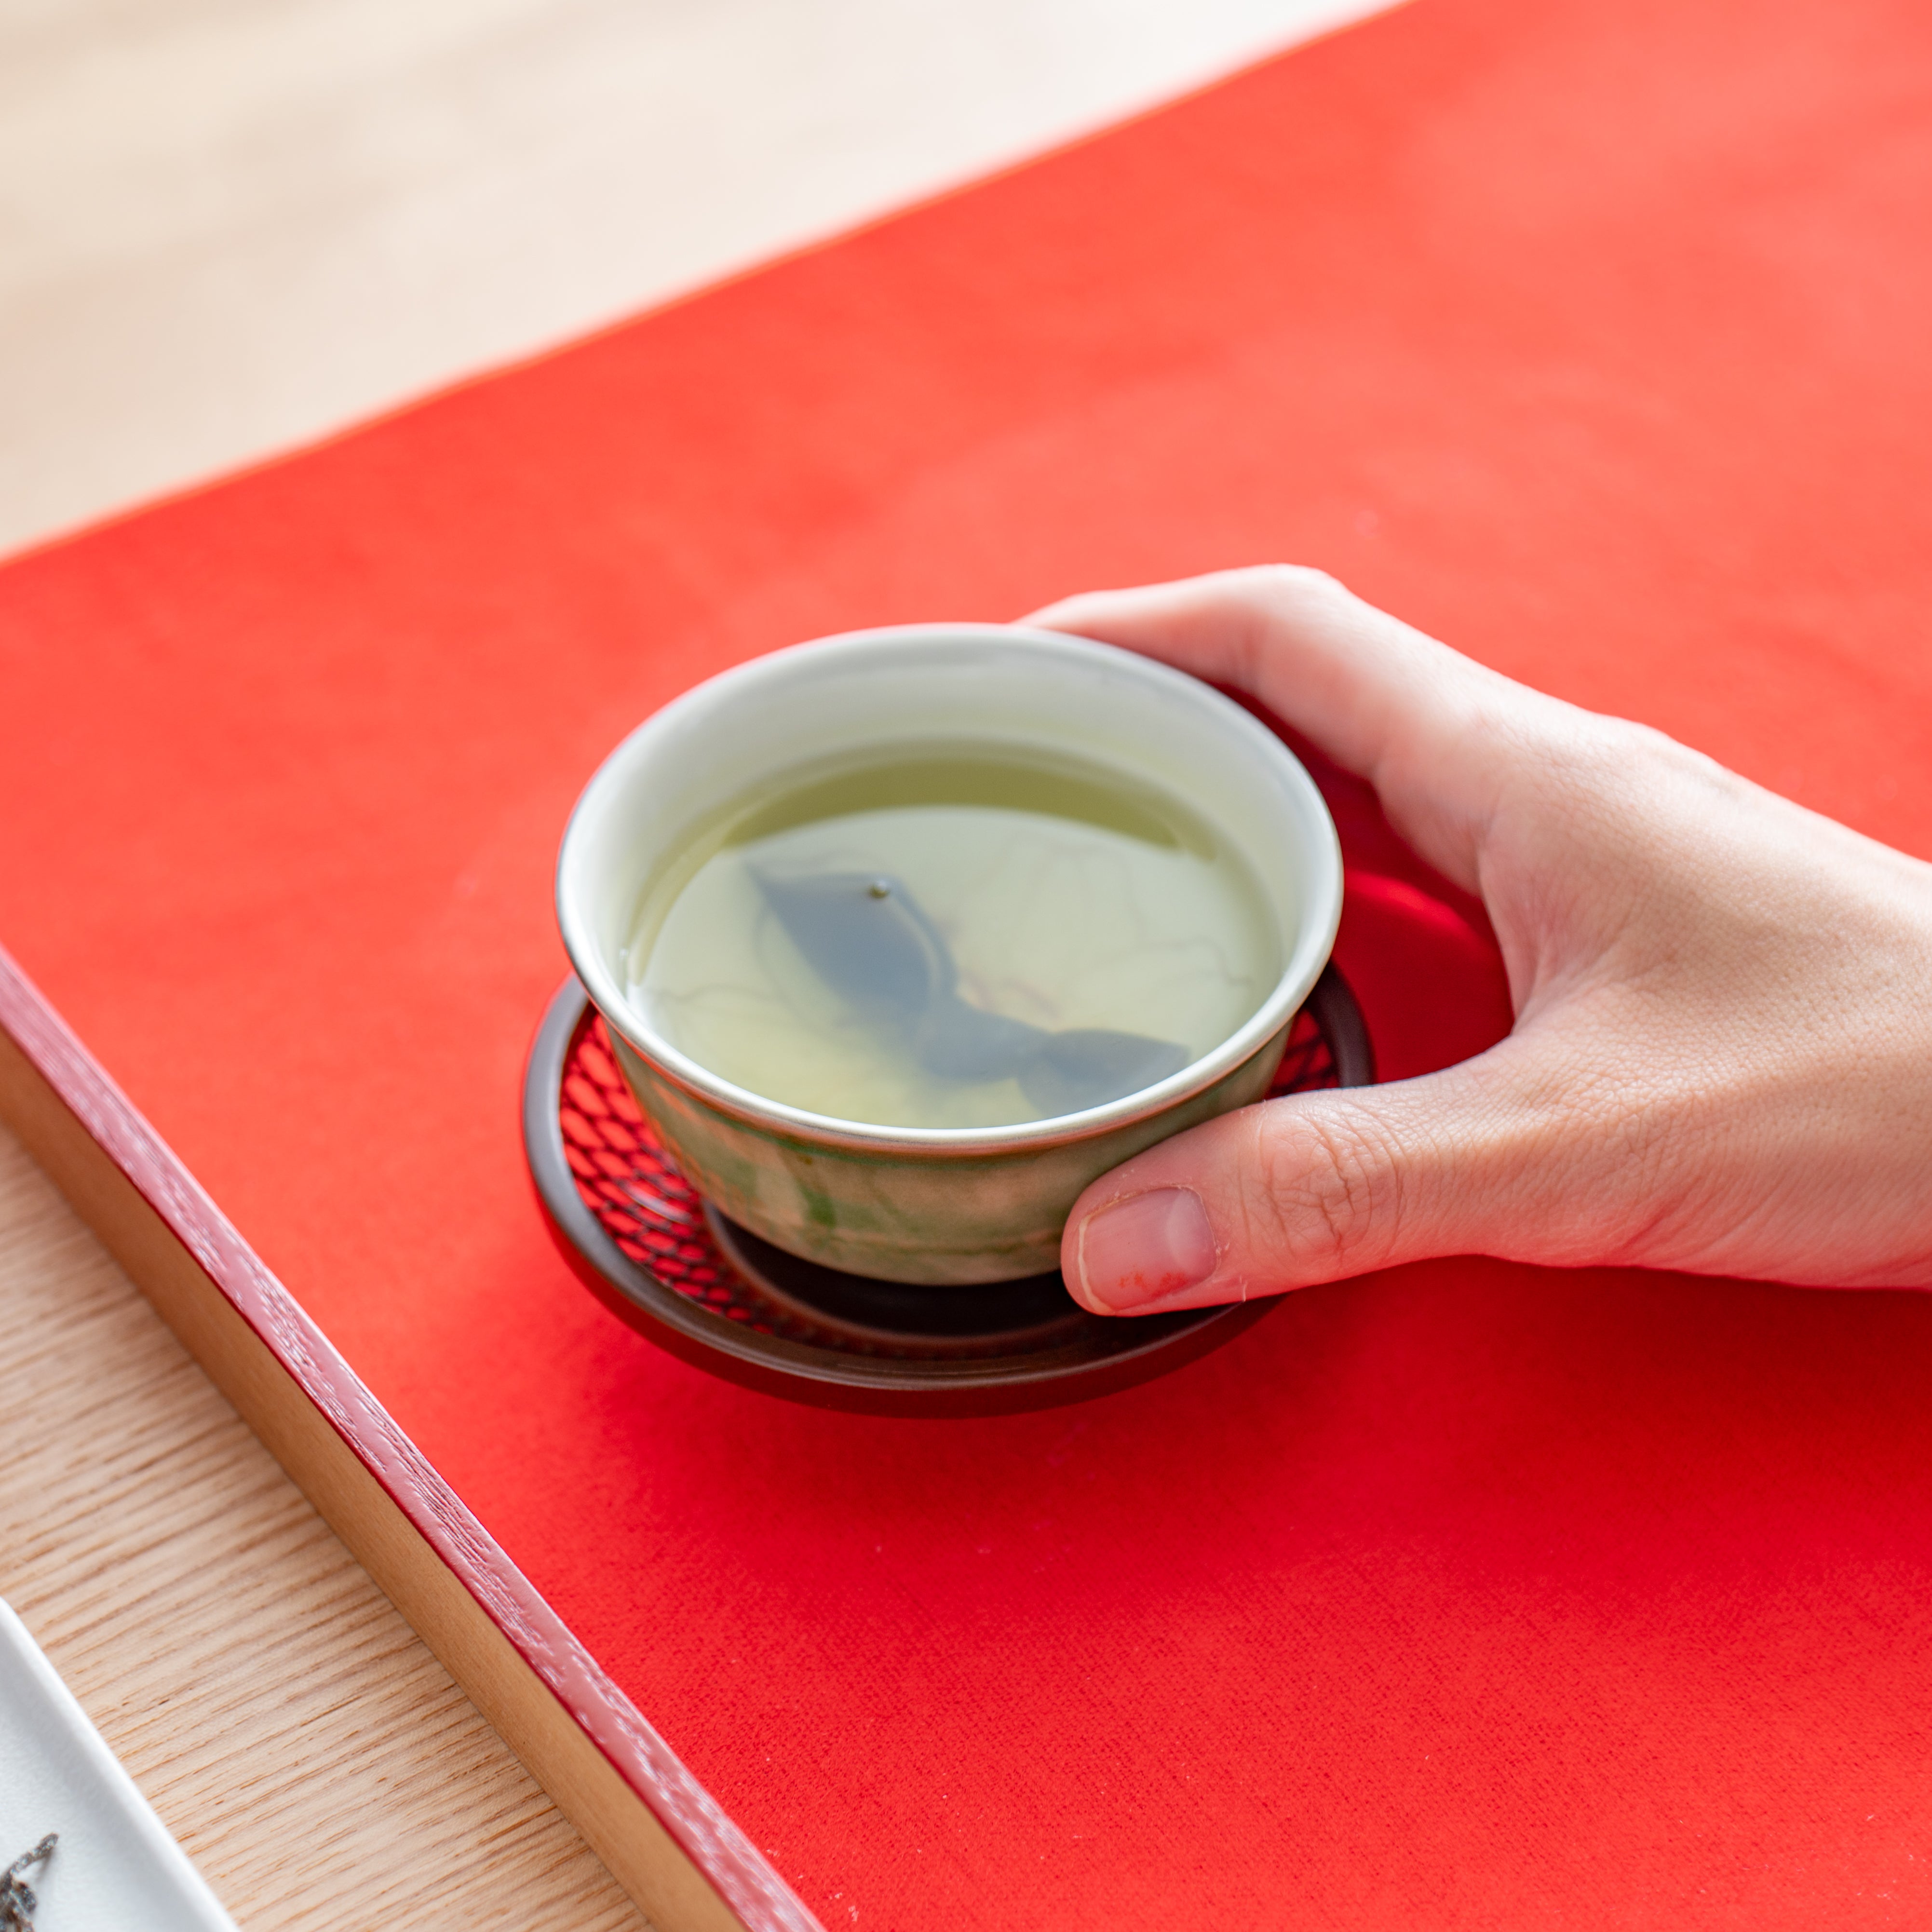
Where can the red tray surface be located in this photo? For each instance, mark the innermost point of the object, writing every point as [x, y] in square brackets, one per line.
[1592, 337]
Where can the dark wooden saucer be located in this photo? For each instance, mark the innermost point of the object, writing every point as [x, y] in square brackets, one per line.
[720, 1297]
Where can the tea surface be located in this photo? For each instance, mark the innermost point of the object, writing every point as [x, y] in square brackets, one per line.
[963, 939]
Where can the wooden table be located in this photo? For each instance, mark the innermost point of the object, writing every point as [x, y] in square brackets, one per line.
[311, 1756]
[239, 230]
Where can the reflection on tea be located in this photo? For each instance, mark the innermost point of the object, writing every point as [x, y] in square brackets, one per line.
[967, 938]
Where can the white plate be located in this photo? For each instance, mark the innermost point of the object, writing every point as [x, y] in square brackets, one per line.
[115, 1869]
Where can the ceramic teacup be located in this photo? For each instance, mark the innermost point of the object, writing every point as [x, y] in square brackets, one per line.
[936, 1205]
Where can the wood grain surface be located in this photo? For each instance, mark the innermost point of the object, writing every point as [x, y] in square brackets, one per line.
[229, 226]
[312, 1758]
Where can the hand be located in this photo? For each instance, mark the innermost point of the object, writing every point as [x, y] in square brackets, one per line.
[1722, 1057]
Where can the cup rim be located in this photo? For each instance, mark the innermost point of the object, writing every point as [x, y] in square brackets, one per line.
[1312, 944]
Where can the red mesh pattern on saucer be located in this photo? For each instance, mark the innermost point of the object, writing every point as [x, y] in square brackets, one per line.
[628, 1180]
[654, 1215]
[1307, 1063]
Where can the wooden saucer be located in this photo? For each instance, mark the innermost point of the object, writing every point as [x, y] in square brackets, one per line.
[720, 1297]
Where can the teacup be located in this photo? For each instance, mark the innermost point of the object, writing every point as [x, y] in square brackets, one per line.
[936, 1205]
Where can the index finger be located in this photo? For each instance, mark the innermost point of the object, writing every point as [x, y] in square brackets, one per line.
[1381, 699]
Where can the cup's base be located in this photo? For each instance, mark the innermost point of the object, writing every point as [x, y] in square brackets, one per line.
[1004, 1317]
[725, 1299]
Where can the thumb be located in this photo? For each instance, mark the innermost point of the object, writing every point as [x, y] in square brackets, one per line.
[1311, 1188]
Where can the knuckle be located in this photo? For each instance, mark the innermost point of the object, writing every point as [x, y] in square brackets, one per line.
[1302, 582]
[1329, 1194]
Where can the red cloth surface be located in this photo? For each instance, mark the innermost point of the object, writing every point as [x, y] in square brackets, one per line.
[1591, 337]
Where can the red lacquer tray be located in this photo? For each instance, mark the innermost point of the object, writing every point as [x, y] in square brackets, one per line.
[1589, 337]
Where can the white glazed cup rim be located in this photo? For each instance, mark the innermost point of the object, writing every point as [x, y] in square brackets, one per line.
[1318, 853]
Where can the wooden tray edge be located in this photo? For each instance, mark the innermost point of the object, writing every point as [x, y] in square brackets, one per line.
[665, 1840]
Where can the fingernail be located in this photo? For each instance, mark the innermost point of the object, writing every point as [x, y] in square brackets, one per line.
[1134, 1251]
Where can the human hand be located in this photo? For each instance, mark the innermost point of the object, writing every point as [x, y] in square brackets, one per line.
[1722, 1057]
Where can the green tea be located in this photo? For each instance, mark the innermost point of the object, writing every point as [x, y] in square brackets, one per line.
[967, 938]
